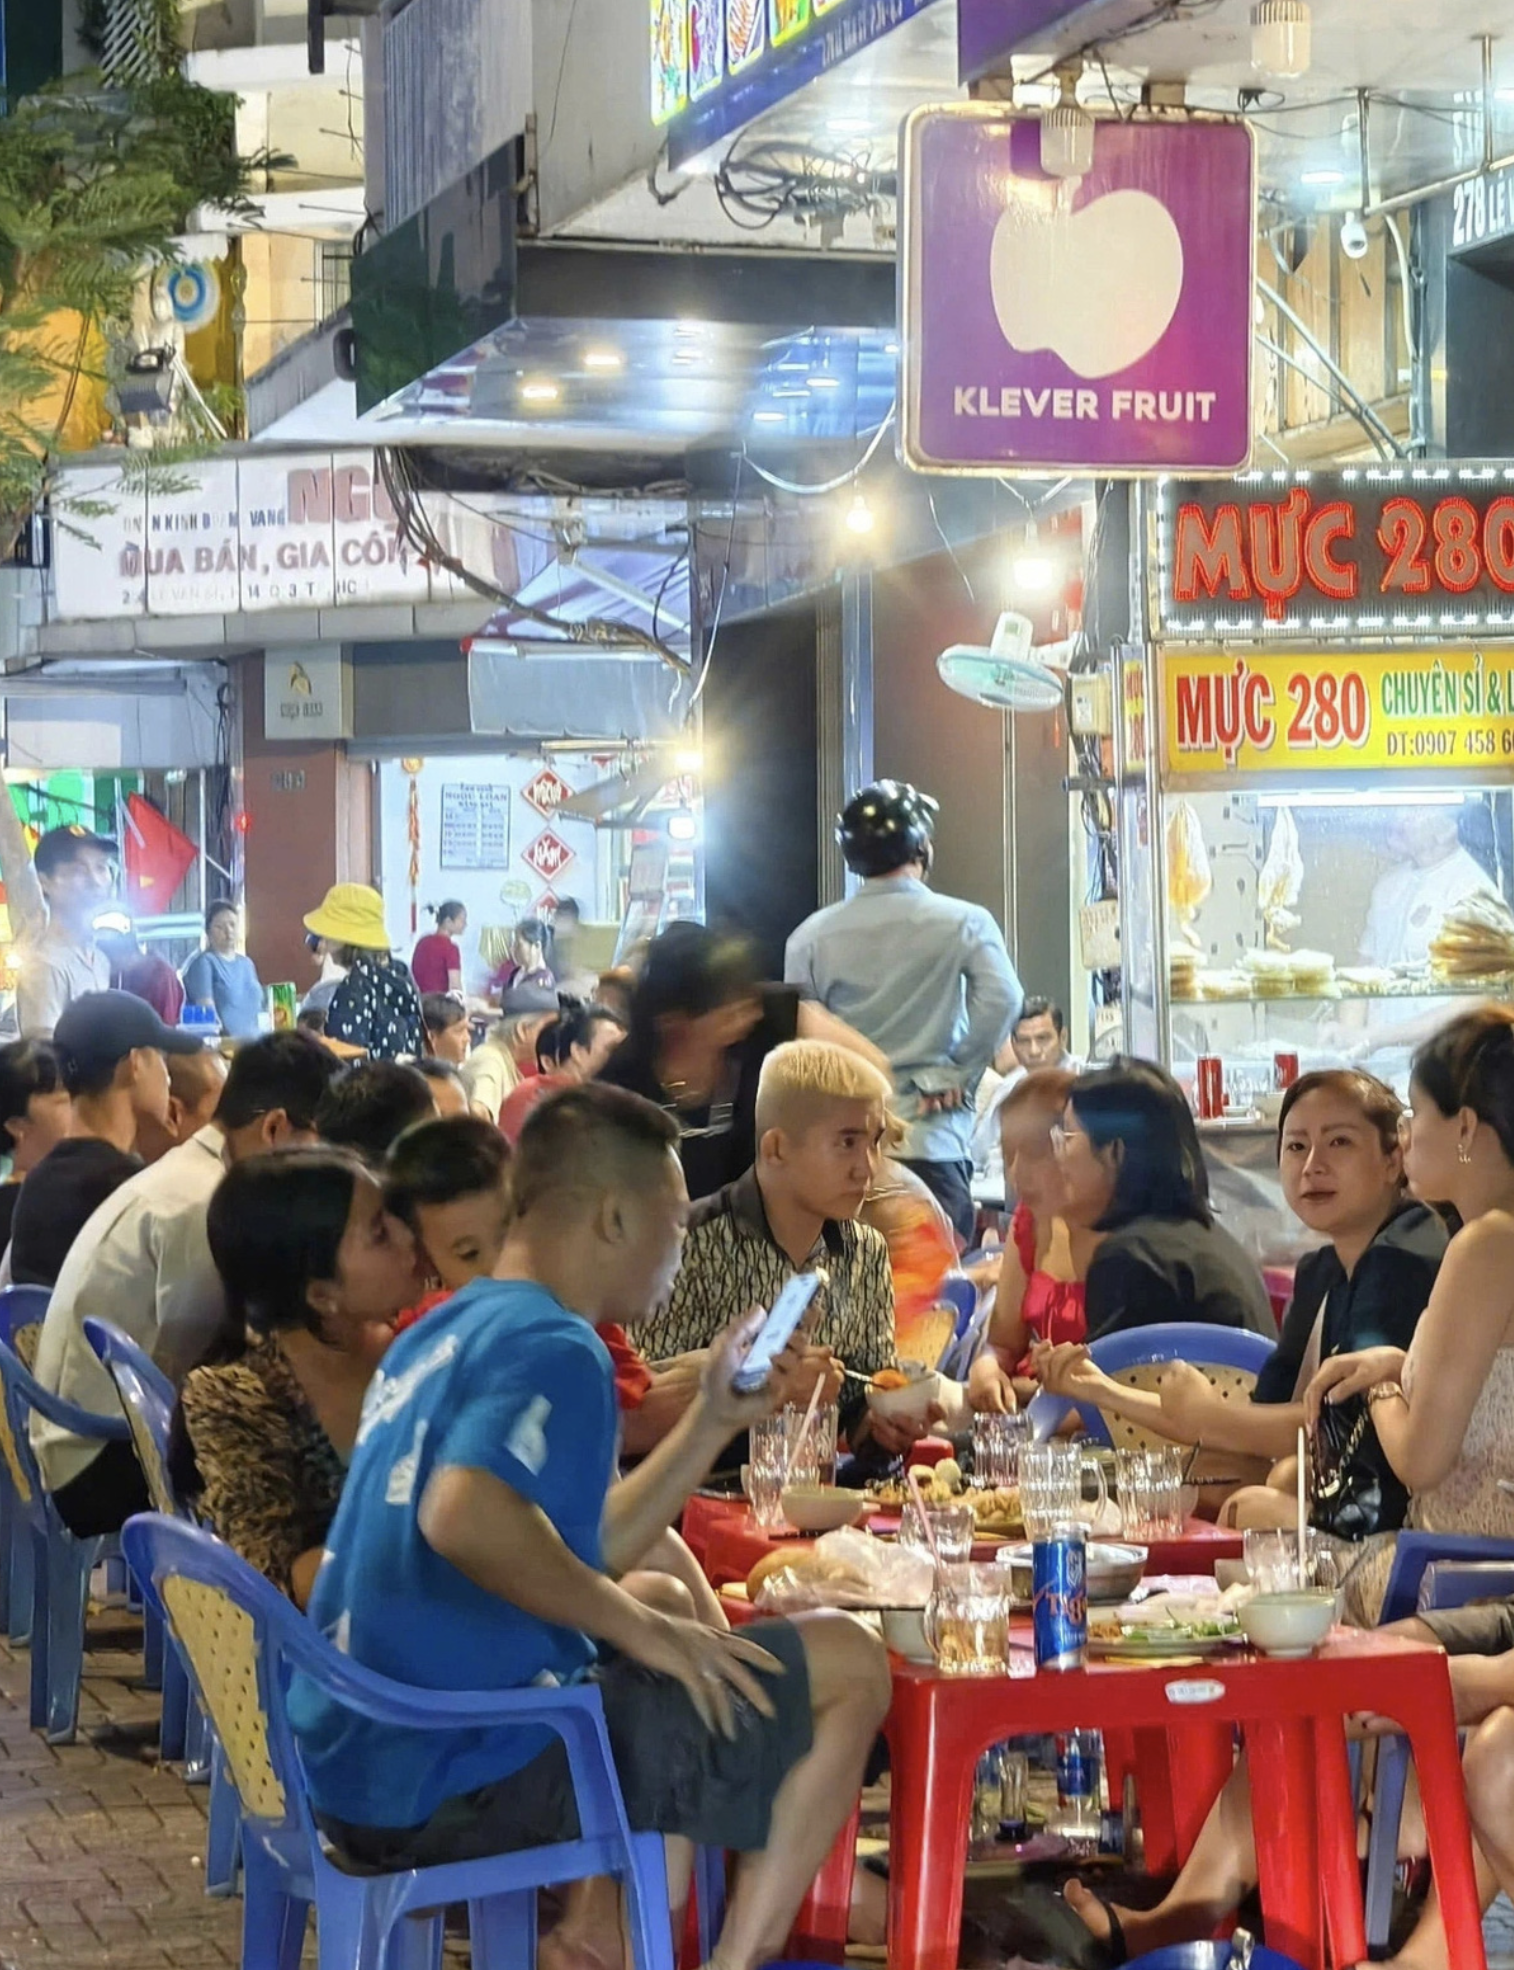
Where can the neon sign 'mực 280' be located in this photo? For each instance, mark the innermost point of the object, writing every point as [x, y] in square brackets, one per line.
[1358, 553]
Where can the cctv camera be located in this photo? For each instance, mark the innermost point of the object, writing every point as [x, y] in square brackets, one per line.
[1353, 237]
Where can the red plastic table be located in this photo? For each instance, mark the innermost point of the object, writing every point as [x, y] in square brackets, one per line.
[1303, 1813]
[728, 1544]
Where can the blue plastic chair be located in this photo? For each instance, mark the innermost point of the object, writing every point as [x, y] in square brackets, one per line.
[21, 1307]
[147, 1400]
[147, 1397]
[61, 1564]
[1196, 1341]
[244, 1640]
[1430, 1570]
[971, 1310]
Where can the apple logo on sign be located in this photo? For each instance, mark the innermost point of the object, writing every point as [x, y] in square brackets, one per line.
[1098, 287]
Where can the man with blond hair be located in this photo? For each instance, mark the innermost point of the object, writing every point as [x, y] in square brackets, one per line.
[822, 1112]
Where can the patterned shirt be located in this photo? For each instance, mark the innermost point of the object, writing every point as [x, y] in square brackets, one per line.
[377, 1006]
[731, 1263]
[269, 1477]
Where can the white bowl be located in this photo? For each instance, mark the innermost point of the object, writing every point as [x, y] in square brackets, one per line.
[904, 1633]
[1287, 1625]
[914, 1400]
[822, 1507]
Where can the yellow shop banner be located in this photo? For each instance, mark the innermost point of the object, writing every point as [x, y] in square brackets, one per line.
[1334, 711]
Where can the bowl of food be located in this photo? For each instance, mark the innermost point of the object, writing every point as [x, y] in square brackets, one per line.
[904, 1633]
[1287, 1625]
[910, 1390]
[1113, 1571]
[821, 1507]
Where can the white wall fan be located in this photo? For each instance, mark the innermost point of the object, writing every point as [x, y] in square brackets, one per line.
[1004, 675]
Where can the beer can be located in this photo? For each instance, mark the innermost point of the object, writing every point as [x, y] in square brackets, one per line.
[1284, 1070]
[1209, 1087]
[1059, 1605]
[283, 1001]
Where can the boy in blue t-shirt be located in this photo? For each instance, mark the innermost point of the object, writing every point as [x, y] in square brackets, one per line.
[479, 1540]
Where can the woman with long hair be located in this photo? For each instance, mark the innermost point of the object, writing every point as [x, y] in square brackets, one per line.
[315, 1271]
[1340, 1160]
[701, 1025]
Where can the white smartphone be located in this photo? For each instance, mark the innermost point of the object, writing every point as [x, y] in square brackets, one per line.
[776, 1331]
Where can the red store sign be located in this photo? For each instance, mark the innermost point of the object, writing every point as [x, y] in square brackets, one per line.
[1375, 552]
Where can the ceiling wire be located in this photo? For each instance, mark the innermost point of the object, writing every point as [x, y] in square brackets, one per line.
[415, 527]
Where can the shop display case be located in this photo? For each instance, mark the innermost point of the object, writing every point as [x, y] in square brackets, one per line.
[1316, 786]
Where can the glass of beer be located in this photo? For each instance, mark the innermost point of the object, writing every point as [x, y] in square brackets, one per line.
[967, 1620]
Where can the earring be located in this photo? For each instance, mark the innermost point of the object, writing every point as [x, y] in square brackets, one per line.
[1463, 1152]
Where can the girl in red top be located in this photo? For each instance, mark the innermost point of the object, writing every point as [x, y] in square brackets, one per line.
[1040, 1291]
[436, 964]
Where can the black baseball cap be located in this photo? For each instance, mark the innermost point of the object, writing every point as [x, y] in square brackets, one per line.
[59, 846]
[100, 1028]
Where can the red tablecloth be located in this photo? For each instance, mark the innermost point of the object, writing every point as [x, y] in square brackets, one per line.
[727, 1543]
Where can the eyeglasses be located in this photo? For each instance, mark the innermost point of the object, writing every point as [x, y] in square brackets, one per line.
[1061, 1135]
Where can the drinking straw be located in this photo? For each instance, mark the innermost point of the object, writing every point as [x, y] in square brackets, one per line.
[919, 1497]
[1303, 1521]
[804, 1428]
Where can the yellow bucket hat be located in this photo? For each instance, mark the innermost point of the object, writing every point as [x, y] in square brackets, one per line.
[351, 913]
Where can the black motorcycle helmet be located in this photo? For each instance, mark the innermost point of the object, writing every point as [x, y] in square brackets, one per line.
[884, 826]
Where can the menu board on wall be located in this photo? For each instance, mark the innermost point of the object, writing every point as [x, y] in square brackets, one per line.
[475, 827]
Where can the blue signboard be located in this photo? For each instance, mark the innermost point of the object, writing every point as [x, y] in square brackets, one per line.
[716, 64]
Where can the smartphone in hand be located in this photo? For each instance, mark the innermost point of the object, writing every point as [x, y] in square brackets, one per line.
[776, 1331]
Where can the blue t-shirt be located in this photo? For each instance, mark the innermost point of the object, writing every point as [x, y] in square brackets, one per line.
[231, 985]
[499, 1378]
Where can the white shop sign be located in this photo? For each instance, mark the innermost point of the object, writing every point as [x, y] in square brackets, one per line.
[305, 694]
[284, 531]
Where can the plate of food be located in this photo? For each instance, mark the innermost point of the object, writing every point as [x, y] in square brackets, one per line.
[1128, 1641]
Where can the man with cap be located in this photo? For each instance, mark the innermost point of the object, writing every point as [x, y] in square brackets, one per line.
[376, 1006]
[143, 1261]
[112, 1053]
[75, 871]
[925, 977]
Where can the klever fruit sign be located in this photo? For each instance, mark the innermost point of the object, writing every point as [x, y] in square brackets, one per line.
[1098, 324]
[1424, 712]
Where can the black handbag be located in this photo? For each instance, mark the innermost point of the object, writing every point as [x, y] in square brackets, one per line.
[1349, 1496]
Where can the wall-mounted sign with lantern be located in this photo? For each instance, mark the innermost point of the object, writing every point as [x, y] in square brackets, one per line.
[1097, 322]
[1379, 551]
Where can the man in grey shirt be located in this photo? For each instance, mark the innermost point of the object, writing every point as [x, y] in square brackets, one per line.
[61, 962]
[926, 978]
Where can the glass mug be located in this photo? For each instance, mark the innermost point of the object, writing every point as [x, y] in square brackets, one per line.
[967, 1620]
[1149, 1485]
[997, 1444]
[1272, 1562]
[951, 1526]
[773, 1465]
[1051, 1487]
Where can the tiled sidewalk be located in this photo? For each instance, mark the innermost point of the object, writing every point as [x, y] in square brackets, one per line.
[101, 1852]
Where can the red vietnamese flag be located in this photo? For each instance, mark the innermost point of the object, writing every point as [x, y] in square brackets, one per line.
[157, 856]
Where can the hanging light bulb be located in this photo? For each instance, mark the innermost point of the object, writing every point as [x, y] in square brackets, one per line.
[1281, 37]
[859, 515]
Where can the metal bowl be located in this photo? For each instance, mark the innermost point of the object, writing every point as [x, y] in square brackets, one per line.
[1114, 1571]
